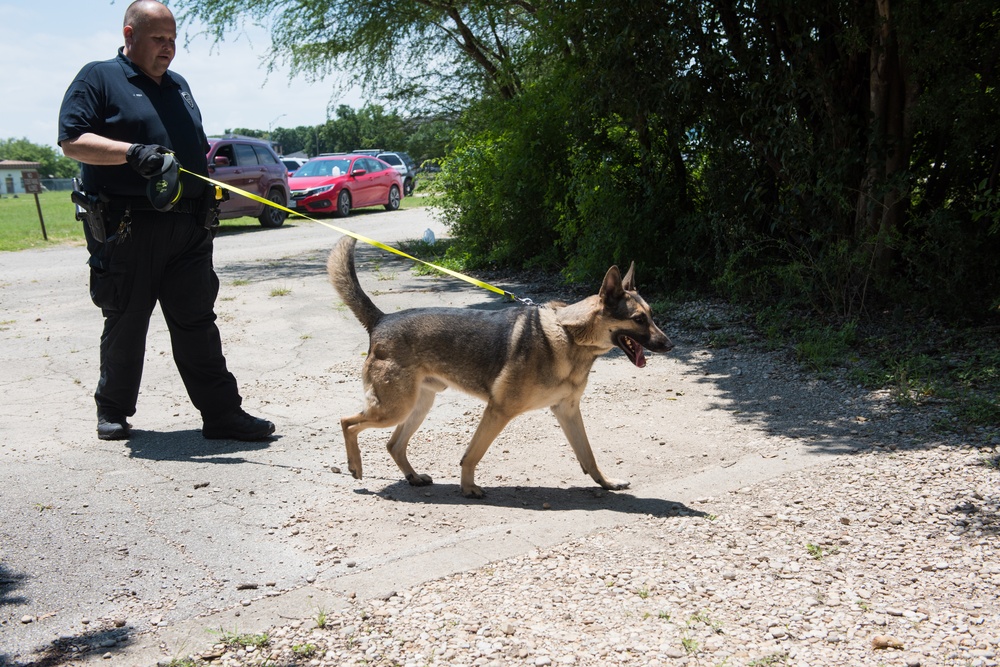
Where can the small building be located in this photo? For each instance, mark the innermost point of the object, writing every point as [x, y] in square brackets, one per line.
[11, 182]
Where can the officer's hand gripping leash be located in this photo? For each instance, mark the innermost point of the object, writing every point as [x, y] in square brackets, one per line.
[146, 159]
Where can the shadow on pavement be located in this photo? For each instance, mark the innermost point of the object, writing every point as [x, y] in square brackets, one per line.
[69, 650]
[190, 446]
[9, 583]
[538, 498]
[367, 259]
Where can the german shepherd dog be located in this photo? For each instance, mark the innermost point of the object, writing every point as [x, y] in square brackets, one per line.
[516, 359]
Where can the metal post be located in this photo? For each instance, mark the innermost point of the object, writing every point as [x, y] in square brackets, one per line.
[38, 205]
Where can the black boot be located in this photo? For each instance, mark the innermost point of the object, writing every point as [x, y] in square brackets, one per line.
[237, 425]
[113, 427]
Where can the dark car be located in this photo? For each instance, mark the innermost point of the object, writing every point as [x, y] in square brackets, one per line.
[251, 165]
[338, 183]
[406, 167]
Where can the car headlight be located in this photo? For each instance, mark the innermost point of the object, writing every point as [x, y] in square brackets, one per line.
[315, 191]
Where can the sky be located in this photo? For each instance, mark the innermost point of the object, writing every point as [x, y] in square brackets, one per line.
[45, 43]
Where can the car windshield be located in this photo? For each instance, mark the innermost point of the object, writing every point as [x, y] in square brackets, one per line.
[324, 168]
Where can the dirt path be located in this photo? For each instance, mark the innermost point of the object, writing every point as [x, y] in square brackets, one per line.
[130, 553]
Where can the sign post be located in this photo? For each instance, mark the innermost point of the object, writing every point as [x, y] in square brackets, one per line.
[33, 185]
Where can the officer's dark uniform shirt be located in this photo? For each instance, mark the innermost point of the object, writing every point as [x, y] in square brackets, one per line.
[115, 99]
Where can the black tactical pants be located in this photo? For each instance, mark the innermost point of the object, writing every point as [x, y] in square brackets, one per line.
[167, 258]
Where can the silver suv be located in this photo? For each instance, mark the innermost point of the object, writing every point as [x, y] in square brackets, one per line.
[399, 161]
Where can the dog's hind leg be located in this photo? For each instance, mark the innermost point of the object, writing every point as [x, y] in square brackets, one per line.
[351, 427]
[386, 404]
[489, 428]
[400, 437]
[571, 421]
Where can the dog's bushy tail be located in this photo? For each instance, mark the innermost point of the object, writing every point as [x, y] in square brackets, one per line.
[340, 266]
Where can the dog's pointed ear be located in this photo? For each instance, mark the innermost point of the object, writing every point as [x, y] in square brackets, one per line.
[628, 282]
[611, 288]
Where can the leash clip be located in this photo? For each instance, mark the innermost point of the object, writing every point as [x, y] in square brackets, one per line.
[523, 302]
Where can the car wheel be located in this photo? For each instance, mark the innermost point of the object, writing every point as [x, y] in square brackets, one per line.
[408, 187]
[393, 204]
[270, 216]
[344, 204]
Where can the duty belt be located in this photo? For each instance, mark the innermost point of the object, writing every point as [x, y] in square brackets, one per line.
[121, 204]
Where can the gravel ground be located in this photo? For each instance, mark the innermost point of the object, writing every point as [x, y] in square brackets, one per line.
[885, 555]
[888, 556]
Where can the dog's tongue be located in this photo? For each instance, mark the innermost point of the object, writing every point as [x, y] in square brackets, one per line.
[640, 355]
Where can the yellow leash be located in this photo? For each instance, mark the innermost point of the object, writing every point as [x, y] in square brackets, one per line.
[359, 237]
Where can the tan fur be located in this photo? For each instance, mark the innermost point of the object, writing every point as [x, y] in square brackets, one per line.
[517, 359]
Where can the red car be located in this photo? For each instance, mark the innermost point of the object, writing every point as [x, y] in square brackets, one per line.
[338, 183]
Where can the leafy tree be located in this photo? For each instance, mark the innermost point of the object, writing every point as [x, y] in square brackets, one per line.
[441, 51]
[835, 153]
[246, 132]
[293, 140]
[832, 118]
[52, 164]
[424, 137]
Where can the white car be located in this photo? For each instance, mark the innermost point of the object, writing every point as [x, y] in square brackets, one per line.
[402, 163]
[292, 164]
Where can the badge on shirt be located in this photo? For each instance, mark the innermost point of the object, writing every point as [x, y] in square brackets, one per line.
[187, 98]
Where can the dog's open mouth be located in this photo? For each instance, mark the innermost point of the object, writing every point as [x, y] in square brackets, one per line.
[632, 349]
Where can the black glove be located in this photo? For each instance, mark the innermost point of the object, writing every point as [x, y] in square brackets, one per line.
[146, 159]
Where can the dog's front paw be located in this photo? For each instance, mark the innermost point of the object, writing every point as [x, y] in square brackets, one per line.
[472, 491]
[615, 484]
[419, 480]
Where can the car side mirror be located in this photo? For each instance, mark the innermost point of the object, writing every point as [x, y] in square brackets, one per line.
[359, 172]
[221, 161]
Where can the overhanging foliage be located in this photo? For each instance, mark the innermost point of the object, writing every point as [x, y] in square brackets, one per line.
[836, 153]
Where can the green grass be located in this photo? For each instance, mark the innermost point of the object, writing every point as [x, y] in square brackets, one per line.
[20, 228]
[237, 640]
[304, 650]
[702, 617]
[919, 361]
[184, 662]
[437, 253]
[959, 369]
[823, 348]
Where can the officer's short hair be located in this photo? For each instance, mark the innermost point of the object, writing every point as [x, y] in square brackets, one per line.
[137, 14]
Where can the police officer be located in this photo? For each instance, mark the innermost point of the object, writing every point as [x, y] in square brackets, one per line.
[121, 118]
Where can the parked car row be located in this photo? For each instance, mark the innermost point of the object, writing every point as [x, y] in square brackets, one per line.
[398, 160]
[328, 183]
